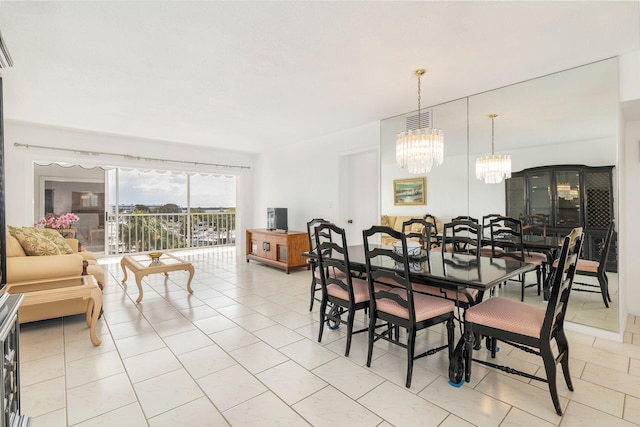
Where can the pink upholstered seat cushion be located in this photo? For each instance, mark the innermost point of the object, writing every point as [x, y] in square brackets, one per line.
[360, 290]
[506, 314]
[426, 306]
[588, 266]
[332, 272]
[583, 265]
[444, 293]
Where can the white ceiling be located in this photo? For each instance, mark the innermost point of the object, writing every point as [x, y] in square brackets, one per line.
[251, 75]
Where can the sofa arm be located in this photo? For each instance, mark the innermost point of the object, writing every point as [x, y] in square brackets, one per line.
[74, 244]
[33, 268]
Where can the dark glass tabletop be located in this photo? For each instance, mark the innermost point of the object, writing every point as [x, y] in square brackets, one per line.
[457, 270]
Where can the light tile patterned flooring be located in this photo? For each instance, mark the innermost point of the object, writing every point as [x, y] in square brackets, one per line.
[242, 350]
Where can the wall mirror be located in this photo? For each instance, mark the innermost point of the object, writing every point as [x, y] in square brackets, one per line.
[567, 118]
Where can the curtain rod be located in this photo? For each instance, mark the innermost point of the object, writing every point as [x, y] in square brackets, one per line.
[128, 156]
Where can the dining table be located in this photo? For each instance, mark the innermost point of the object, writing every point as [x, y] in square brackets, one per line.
[453, 271]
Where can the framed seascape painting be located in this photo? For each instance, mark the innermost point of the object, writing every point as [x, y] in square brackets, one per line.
[410, 191]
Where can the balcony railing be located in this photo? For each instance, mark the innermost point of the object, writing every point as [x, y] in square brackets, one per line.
[141, 232]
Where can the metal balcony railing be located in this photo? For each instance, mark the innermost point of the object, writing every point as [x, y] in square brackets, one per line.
[142, 232]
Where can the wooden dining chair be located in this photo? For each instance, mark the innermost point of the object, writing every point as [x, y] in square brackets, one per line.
[398, 305]
[597, 269]
[342, 294]
[529, 328]
[506, 242]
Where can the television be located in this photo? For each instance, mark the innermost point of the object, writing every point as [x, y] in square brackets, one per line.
[277, 219]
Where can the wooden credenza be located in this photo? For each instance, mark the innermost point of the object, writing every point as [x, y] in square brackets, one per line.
[277, 248]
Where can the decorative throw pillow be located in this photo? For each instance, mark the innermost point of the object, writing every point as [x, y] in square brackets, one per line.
[13, 247]
[384, 221]
[57, 239]
[35, 241]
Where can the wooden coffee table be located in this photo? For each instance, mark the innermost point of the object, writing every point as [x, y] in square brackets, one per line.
[142, 265]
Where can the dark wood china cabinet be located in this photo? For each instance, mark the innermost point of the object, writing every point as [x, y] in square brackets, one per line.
[567, 196]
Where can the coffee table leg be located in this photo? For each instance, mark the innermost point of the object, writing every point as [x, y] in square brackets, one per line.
[95, 307]
[139, 283]
[124, 270]
[190, 269]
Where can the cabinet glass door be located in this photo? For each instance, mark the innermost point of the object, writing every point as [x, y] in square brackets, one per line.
[540, 194]
[568, 210]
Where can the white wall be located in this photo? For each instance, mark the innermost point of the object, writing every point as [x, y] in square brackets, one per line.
[19, 167]
[304, 177]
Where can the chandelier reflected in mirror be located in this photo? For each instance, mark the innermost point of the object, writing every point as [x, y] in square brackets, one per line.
[492, 169]
[421, 149]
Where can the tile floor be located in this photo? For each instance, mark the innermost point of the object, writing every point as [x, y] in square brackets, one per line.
[242, 350]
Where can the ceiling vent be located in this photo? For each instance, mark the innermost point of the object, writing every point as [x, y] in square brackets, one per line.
[5, 58]
[425, 121]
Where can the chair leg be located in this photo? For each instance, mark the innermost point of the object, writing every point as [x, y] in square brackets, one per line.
[538, 277]
[522, 286]
[550, 368]
[604, 290]
[350, 316]
[563, 348]
[323, 309]
[313, 291]
[371, 332]
[411, 346]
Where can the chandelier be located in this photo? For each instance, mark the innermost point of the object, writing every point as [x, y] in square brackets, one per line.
[493, 169]
[419, 150]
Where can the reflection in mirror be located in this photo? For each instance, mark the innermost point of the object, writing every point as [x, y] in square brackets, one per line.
[451, 118]
[567, 118]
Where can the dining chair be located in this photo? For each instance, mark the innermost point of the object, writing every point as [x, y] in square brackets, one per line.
[342, 294]
[529, 328]
[313, 262]
[486, 234]
[460, 298]
[506, 242]
[435, 233]
[419, 230]
[597, 269]
[461, 235]
[397, 305]
[535, 225]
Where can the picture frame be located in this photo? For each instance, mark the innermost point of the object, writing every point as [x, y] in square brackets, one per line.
[410, 191]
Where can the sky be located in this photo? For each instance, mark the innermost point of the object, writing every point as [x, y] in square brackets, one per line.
[157, 188]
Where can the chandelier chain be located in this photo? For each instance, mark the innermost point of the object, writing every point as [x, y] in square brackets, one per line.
[419, 99]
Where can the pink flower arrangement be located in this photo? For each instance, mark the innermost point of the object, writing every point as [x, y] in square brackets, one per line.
[58, 221]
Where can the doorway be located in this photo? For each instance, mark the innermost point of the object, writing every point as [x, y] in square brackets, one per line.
[359, 172]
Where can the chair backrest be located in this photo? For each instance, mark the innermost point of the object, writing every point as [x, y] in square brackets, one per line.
[562, 280]
[389, 258]
[423, 236]
[604, 255]
[486, 225]
[311, 232]
[506, 234]
[534, 224]
[332, 253]
[465, 218]
[434, 226]
[462, 236]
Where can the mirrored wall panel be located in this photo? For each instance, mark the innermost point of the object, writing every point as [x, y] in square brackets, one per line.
[561, 133]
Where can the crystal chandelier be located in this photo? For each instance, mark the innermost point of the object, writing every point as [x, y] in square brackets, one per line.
[493, 169]
[419, 150]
